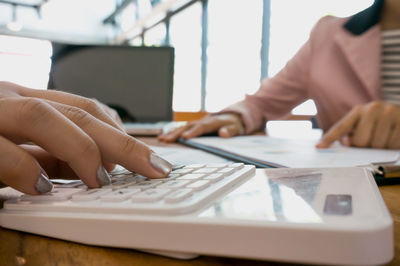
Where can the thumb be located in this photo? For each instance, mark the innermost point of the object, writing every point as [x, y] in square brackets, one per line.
[230, 131]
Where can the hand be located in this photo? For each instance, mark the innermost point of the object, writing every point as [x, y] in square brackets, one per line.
[73, 137]
[111, 112]
[375, 125]
[227, 125]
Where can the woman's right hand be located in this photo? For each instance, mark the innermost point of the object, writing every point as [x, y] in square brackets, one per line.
[45, 134]
[227, 125]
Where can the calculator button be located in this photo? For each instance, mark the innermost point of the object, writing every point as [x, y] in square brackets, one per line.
[182, 171]
[173, 175]
[197, 165]
[237, 166]
[174, 184]
[178, 195]
[226, 171]
[117, 176]
[214, 177]
[120, 171]
[143, 185]
[90, 194]
[140, 178]
[73, 184]
[150, 195]
[216, 165]
[205, 171]
[177, 166]
[199, 185]
[119, 195]
[119, 184]
[190, 177]
[57, 194]
[123, 177]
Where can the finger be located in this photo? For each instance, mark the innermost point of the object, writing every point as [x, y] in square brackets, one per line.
[199, 129]
[39, 122]
[111, 112]
[195, 130]
[346, 141]
[363, 130]
[381, 132]
[99, 115]
[20, 170]
[394, 137]
[91, 106]
[54, 167]
[230, 131]
[48, 162]
[340, 129]
[207, 125]
[116, 146]
[174, 134]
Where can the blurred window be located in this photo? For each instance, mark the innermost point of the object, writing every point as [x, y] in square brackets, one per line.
[25, 61]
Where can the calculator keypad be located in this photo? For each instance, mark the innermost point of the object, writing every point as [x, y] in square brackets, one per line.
[187, 188]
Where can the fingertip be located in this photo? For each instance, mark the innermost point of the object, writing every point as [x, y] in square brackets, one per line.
[224, 132]
[161, 165]
[161, 137]
[109, 166]
[346, 141]
[187, 135]
[167, 138]
[103, 177]
[43, 184]
[322, 144]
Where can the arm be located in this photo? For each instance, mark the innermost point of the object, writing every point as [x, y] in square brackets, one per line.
[274, 99]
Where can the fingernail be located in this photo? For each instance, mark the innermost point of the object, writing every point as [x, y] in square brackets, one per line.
[103, 176]
[160, 164]
[43, 184]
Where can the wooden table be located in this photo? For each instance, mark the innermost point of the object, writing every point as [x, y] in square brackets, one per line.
[18, 248]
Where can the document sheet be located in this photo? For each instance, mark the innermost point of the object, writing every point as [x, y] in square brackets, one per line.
[297, 153]
[185, 156]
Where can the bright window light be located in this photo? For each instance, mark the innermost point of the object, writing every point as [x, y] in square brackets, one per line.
[25, 61]
[185, 37]
[234, 51]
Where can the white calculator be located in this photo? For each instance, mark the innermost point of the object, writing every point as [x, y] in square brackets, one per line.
[318, 216]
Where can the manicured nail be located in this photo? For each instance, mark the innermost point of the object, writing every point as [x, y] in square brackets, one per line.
[160, 164]
[43, 184]
[103, 176]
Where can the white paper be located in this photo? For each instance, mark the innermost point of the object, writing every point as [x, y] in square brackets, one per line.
[186, 156]
[298, 153]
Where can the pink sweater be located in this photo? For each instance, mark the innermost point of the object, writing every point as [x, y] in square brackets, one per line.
[335, 68]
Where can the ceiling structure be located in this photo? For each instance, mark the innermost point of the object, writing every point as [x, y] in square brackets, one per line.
[80, 21]
[62, 20]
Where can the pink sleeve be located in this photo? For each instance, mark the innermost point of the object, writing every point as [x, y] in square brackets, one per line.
[278, 95]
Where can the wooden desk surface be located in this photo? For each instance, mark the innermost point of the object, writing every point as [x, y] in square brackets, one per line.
[18, 248]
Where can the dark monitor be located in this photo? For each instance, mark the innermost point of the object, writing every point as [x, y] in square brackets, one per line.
[136, 81]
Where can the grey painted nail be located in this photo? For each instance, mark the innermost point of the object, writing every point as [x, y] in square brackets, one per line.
[103, 176]
[160, 164]
[43, 184]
